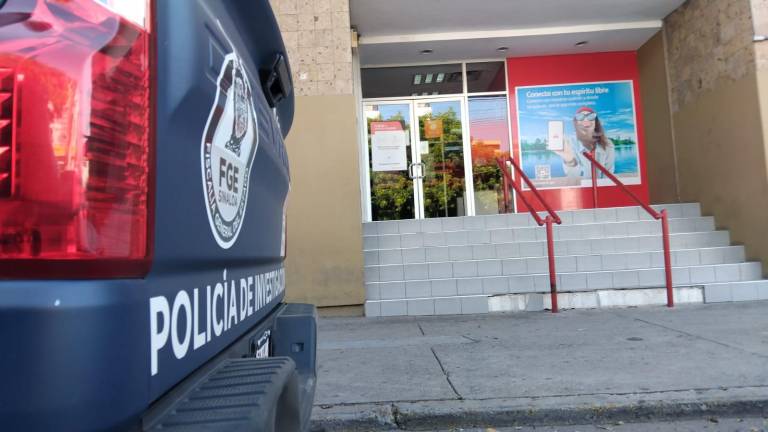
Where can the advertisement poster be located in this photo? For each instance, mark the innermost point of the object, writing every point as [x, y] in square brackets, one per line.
[556, 123]
[388, 146]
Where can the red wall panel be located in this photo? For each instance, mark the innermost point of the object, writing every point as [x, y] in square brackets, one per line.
[571, 69]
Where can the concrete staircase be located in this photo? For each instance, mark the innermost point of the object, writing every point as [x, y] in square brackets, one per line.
[608, 257]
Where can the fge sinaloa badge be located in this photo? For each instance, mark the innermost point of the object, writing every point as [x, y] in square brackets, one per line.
[228, 148]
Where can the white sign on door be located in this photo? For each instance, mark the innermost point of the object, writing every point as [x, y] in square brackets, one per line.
[389, 150]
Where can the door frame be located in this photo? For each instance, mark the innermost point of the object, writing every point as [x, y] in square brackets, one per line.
[417, 205]
[365, 181]
[418, 183]
[466, 145]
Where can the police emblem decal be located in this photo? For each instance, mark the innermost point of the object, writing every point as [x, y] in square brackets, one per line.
[229, 145]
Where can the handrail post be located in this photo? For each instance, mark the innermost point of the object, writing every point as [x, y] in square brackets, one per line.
[667, 257]
[551, 255]
[507, 198]
[594, 181]
[656, 215]
[551, 218]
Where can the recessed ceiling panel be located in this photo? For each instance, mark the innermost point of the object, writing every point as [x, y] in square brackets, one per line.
[395, 17]
[409, 53]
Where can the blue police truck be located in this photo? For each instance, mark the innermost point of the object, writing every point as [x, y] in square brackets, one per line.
[143, 182]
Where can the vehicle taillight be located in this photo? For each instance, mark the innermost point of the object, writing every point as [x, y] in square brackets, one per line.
[75, 138]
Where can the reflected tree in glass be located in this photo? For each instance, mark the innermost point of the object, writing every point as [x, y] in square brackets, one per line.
[391, 191]
[444, 163]
[489, 137]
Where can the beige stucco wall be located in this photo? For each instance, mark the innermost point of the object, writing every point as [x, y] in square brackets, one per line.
[717, 117]
[659, 147]
[760, 26]
[325, 259]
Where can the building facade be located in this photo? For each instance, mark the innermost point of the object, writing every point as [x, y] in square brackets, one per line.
[403, 109]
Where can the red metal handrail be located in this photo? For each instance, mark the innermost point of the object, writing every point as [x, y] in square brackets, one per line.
[527, 180]
[551, 217]
[654, 214]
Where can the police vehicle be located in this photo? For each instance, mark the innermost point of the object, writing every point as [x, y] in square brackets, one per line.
[143, 182]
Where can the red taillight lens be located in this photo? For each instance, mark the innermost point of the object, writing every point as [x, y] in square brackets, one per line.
[7, 90]
[75, 139]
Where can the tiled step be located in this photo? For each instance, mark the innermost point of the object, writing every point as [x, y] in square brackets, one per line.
[604, 258]
[538, 248]
[474, 304]
[599, 298]
[566, 281]
[736, 291]
[563, 264]
[616, 214]
[531, 233]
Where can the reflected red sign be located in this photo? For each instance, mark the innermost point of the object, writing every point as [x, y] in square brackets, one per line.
[386, 126]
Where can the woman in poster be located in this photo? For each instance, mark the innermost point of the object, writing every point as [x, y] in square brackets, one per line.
[590, 135]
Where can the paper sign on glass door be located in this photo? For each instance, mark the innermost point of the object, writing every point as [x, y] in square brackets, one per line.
[388, 150]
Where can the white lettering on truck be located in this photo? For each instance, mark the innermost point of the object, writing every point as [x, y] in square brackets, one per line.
[199, 328]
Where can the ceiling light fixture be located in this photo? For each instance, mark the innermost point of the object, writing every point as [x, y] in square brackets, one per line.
[581, 43]
[428, 79]
[417, 79]
[440, 77]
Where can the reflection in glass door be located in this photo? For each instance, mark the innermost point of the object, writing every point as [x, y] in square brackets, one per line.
[489, 131]
[440, 158]
[390, 159]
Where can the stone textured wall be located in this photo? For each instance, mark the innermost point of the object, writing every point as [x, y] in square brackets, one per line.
[708, 42]
[317, 37]
[719, 100]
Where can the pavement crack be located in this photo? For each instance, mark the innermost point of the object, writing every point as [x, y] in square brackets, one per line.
[447, 376]
[421, 329]
[723, 344]
[470, 339]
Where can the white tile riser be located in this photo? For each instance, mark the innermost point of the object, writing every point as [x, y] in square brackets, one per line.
[618, 214]
[524, 234]
[563, 264]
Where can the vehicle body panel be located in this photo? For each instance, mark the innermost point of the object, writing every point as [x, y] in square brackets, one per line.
[77, 352]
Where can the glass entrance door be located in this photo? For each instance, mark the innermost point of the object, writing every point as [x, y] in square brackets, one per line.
[441, 168]
[390, 161]
[416, 159]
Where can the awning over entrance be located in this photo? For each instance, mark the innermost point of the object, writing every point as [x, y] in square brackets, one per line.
[398, 32]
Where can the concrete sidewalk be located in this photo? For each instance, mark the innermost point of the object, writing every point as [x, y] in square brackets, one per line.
[576, 367]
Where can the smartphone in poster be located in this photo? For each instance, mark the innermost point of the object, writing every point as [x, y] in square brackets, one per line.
[555, 139]
[557, 122]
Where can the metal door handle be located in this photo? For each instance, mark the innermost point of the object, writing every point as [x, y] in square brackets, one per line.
[422, 169]
[410, 171]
